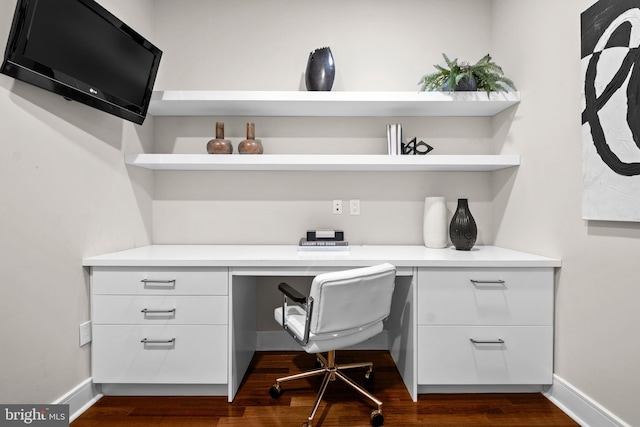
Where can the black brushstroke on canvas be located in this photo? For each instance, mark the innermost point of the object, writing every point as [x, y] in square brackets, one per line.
[594, 23]
[595, 20]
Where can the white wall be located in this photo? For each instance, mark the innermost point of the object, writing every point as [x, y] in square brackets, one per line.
[65, 194]
[257, 45]
[597, 345]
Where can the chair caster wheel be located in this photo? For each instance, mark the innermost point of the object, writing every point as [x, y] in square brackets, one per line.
[377, 419]
[275, 391]
[369, 378]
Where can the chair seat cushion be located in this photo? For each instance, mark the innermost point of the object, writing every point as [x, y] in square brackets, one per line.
[324, 342]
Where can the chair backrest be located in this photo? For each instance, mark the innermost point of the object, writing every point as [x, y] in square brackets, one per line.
[350, 299]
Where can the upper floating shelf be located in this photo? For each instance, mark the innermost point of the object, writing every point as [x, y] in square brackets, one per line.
[320, 162]
[307, 104]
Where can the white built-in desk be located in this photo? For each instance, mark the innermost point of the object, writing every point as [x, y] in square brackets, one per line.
[173, 319]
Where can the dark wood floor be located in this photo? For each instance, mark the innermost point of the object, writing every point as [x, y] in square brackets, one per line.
[342, 406]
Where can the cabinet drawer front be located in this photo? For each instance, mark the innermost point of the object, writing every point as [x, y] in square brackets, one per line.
[159, 281]
[485, 296]
[159, 309]
[198, 354]
[447, 356]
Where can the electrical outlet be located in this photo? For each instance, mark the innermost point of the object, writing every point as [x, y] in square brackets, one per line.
[85, 333]
[354, 207]
[337, 207]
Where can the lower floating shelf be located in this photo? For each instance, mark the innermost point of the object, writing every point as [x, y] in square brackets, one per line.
[323, 162]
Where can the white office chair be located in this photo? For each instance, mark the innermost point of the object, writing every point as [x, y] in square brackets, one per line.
[343, 308]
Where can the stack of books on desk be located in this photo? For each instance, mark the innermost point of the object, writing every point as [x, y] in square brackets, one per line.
[323, 240]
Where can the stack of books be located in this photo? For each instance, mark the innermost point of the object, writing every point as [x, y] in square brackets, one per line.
[394, 139]
[323, 240]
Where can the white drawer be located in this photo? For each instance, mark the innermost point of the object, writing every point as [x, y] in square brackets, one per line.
[159, 281]
[447, 356]
[485, 296]
[197, 356]
[159, 309]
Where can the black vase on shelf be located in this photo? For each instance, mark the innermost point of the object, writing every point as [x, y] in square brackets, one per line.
[321, 70]
[463, 230]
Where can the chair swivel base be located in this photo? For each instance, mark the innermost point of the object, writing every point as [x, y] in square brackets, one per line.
[332, 371]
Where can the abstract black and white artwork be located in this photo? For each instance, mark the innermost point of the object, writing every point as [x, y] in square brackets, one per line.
[611, 110]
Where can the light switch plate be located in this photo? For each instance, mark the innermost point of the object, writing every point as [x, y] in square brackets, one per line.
[354, 207]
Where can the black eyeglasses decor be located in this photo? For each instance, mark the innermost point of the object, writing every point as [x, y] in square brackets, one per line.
[416, 148]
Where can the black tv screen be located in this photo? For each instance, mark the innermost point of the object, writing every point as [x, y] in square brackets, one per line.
[78, 49]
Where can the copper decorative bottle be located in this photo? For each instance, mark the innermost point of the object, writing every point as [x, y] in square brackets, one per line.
[219, 145]
[251, 145]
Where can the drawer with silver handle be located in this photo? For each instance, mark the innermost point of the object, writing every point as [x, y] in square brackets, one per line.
[475, 355]
[168, 354]
[159, 309]
[485, 296]
[160, 281]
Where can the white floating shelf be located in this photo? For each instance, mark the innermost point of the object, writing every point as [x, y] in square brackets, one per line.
[322, 162]
[307, 104]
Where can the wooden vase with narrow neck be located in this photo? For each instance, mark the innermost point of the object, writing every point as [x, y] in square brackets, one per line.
[219, 145]
[251, 145]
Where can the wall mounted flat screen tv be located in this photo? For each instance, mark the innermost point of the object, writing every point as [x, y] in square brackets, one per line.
[79, 50]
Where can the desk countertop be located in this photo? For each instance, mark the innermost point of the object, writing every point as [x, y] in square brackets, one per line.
[289, 256]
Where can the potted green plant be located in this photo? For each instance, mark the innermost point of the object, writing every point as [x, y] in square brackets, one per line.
[484, 75]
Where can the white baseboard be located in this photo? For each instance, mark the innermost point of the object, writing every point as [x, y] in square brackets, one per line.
[486, 388]
[584, 410]
[282, 341]
[165, 389]
[80, 398]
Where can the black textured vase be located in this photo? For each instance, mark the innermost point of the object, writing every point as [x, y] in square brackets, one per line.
[463, 230]
[321, 70]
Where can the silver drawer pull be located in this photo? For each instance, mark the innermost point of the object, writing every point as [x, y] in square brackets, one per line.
[170, 283]
[148, 341]
[147, 311]
[498, 341]
[488, 282]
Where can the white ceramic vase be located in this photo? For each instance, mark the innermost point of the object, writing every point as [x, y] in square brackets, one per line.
[435, 230]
